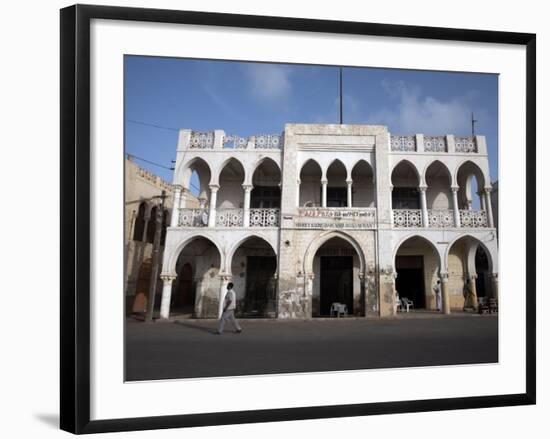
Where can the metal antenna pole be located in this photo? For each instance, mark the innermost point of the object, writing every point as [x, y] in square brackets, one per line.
[341, 98]
[473, 124]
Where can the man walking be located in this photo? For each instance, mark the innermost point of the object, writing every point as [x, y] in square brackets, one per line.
[229, 306]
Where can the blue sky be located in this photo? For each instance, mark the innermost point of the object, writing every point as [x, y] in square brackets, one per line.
[251, 98]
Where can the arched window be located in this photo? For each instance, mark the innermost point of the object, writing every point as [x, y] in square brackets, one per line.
[139, 224]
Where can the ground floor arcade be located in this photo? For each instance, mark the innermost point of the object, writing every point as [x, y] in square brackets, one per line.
[293, 273]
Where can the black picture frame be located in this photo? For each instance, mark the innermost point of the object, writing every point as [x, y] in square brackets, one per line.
[75, 217]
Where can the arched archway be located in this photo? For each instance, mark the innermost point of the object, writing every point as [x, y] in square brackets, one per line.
[334, 265]
[198, 297]
[336, 184]
[196, 178]
[471, 181]
[363, 193]
[417, 264]
[253, 265]
[266, 185]
[471, 266]
[139, 225]
[405, 181]
[143, 283]
[310, 184]
[438, 181]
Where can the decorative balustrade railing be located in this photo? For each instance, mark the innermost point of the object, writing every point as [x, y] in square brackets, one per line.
[435, 144]
[235, 142]
[193, 218]
[229, 217]
[465, 144]
[262, 141]
[201, 140]
[264, 217]
[473, 218]
[440, 218]
[403, 143]
[336, 217]
[407, 217]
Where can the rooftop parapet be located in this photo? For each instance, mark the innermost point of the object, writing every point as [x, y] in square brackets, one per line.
[218, 139]
[438, 144]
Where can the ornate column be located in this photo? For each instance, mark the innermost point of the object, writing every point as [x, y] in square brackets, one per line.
[489, 207]
[363, 294]
[224, 280]
[473, 286]
[176, 206]
[424, 206]
[494, 284]
[212, 208]
[167, 280]
[456, 212]
[349, 183]
[446, 308]
[481, 196]
[324, 184]
[246, 218]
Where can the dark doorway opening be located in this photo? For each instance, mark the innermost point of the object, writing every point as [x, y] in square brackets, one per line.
[260, 296]
[410, 279]
[183, 295]
[482, 270]
[337, 197]
[336, 283]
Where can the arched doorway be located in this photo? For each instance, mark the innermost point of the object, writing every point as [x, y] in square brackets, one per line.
[143, 283]
[196, 289]
[336, 269]
[183, 293]
[469, 262]
[254, 267]
[417, 265]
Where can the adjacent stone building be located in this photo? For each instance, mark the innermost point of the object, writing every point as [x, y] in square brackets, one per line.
[325, 214]
[142, 200]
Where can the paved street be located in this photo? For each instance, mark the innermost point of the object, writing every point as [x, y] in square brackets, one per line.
[191, 348]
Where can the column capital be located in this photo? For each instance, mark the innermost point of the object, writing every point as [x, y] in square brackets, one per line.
[422, 188]
[177, 187]
[225, 277]
[472, 277]
[350, 181]
[454, 188]
[444, 277]
[487, 189]
[323, 182]
[214, 187]
[168, 277]
[311, 276]
[248, 187]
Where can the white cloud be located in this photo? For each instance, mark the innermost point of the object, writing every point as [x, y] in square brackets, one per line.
[415, 113]
[269, 81]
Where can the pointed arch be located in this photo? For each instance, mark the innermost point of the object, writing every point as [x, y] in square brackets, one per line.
[235, 246]
[173, 257]
[322, 238]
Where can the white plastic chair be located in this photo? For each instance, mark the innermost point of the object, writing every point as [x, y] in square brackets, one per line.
[406, 303]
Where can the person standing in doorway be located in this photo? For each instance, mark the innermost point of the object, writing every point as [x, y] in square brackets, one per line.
[468, 296]
[437, 291]
[228, 313]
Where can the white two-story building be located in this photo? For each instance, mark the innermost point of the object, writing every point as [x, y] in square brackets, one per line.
[329, 213]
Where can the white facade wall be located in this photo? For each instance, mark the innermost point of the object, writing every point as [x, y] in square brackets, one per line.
[368, 227]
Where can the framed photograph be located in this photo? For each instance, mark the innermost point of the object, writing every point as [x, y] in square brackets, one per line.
[274, 218]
